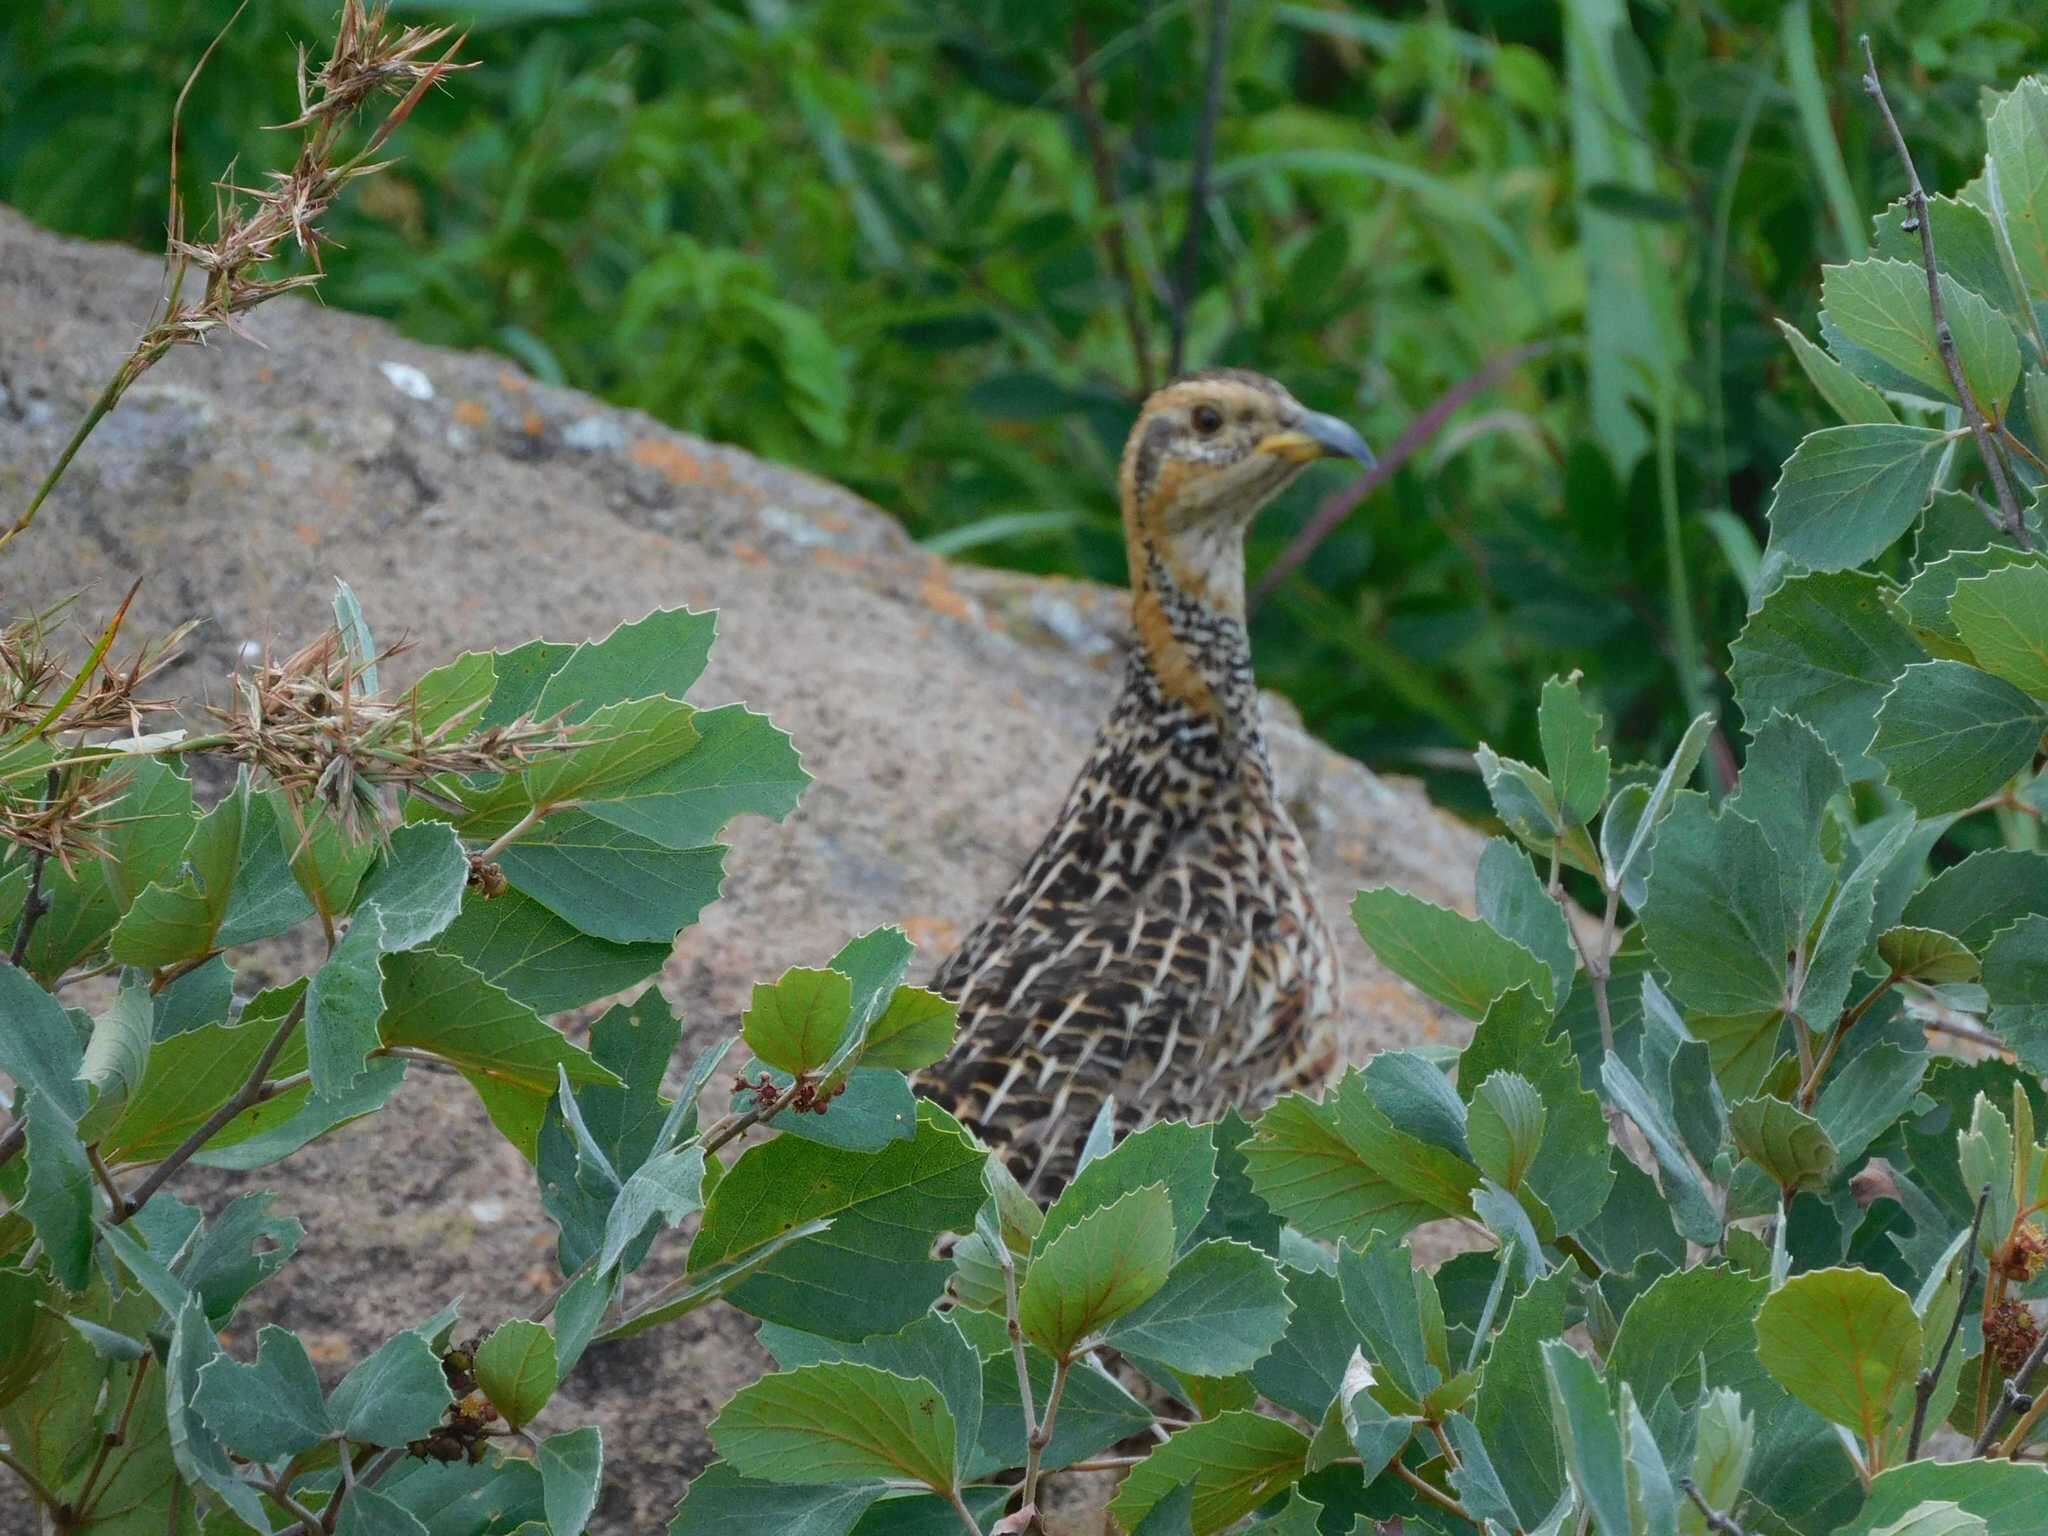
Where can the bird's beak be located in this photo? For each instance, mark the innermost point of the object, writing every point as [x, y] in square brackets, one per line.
[1316, 436]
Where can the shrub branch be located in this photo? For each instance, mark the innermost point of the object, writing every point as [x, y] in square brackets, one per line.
[2010, 517]
[251, 1092]
[1923, 1388]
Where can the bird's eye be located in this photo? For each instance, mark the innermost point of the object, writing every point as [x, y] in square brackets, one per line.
[1207, 419]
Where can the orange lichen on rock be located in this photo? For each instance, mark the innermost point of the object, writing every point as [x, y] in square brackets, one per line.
[470, 413]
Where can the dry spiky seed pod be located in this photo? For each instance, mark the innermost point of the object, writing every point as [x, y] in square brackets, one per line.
[2024, 1257]
[307, 724]
[2010, 1334]
[369, 58]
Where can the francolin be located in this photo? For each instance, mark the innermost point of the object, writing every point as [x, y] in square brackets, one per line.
[1162, 947]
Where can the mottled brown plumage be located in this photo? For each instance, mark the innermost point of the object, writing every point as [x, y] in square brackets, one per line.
[1162, 946]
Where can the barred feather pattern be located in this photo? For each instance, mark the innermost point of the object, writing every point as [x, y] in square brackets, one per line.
[1162, 945]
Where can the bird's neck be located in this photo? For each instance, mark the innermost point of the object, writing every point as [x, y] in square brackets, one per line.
[1194, 652]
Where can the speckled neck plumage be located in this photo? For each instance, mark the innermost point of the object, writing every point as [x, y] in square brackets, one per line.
[1161, 947]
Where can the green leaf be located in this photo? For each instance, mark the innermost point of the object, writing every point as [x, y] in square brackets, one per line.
[933, 1348]
[117, 1054]
[797, 1023]
[838, 1422]
[416, 884]
[1096, 1270]
[719, 1501]
[2015, 136]
[571, 1467]
[372, 1512]
[1173, 1153]
[1964, 241]
[915, 1030]
[355, 639]
[1881, 306]
[663, 653]
[1505, 1127]
[1383, 1297]
[1846, 1343]
[1512, 902]
[2016, 978]
[199, 1455]
[2006, 1495]
[1719, 919]
[1592, 1437]
[1454, 959]
[613, 884]
[2002, 616]
[1570, 1171]
[1987, 891]
[39, 1049]
[1692, 1209]
[1724, 1439]
[1948, 735]
[1236, 1461]
[1341, 1166]
[396, 1395]
[1865, 1096]
[1926, 954]
[1572, 752]
[741, 765]
[437, 1004]
[668, 1186]
[875, 1108]
[1514, 1409]
[1790, 1147]
[1925, 602]
[149, 828]
[235, 886]
[343, 1001]
[268, 1410]
[1222, 1309]
[1839, 948]
[1528, 804]
[547, 963]
[617, 746]
[327, 861]
[1825, 648]
[452, 696]
[515, 1367]
[1848, 396]
[1848, 492]
[1788, 778]
[520, 675]
[872, 1272]
[1305, 1369]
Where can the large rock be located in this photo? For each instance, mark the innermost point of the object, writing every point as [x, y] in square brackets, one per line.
[942, 710]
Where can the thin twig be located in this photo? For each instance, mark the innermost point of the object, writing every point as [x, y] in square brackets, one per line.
[519, 829]
[35, 1485]
[1809, 1090]
[1104, 1464]
[1969, 1032]
[37, 901]
[1009, 1268]
[1923, 1389]
[960, 1508]
[1430, 1491]
[1042, 1436]
[114, 1437]
[1717, 1522]
[1198, 185]
[13, 1141]
[2013, 521]
[99, 1169]
[251, 1092]
[1103, 168]
[2009, 1401]
[1339, 504]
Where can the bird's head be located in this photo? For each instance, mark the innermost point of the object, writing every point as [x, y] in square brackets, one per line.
[1208, 452]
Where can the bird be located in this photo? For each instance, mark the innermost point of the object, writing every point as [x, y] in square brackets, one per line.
[1161, 949]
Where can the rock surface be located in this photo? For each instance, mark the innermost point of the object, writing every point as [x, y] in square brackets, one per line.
[941, 709]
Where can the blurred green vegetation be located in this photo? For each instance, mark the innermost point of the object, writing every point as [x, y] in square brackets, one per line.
[930, 248]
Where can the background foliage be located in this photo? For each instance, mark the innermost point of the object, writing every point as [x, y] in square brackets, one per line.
[871, 237]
